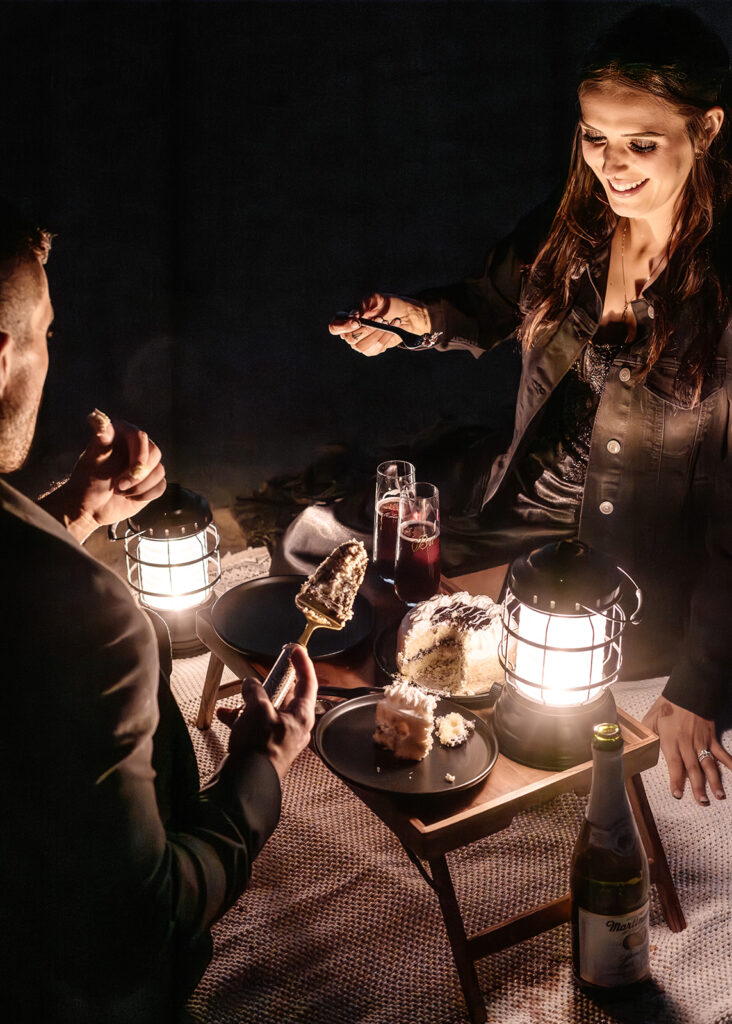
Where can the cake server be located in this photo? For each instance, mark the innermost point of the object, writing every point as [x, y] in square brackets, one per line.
[326, 600]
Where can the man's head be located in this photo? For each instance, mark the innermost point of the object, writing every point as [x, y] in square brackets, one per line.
[25, 317]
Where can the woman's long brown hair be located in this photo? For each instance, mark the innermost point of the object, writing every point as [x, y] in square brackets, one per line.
[696, 284]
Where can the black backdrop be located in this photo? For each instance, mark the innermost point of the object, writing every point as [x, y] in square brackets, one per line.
[224, 176]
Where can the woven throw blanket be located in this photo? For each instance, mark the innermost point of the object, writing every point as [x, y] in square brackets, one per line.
[338, 927]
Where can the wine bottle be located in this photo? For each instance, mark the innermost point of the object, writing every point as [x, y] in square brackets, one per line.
[609, 880]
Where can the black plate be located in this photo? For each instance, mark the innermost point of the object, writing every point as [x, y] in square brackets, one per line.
[344, 739]
[259, 616]
[385, 645]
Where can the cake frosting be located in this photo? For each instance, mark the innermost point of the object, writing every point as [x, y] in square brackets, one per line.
[450, 643]
[405, 718]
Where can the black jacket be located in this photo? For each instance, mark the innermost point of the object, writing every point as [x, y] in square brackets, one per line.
[116, 864]
[658, 488]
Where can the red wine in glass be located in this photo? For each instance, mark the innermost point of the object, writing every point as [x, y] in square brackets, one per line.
[385, 537]
[417, 573]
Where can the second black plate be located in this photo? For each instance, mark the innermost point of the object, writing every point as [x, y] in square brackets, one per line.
[259, 616]
[344, 739]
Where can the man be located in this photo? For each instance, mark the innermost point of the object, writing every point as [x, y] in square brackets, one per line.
[114, 863]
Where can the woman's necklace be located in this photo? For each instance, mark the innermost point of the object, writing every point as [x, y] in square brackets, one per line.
[626, 300]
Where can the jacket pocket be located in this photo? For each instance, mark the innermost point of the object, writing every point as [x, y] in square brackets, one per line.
[678, 428]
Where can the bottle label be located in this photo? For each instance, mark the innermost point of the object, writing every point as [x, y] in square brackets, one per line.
[613, 950]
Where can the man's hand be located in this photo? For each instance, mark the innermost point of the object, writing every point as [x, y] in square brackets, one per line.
[280, 734]
[393, 309]
[117, 475]
[683, 735]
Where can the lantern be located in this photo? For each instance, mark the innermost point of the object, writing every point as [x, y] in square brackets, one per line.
[564, 615]
[172, 551]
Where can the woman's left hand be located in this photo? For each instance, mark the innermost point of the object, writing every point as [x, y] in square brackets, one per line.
[684, 736]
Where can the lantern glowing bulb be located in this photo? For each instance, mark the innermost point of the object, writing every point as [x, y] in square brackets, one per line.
[173, 573]
[561, 655]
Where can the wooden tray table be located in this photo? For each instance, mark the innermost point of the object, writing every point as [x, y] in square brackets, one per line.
[429, 832]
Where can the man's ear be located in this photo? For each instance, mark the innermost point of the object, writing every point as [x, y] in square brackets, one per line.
[6, 351]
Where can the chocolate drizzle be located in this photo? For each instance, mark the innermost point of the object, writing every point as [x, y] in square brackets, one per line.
[464, 616]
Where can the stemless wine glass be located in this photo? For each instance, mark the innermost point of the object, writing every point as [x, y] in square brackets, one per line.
[394, 480]
[417, 569]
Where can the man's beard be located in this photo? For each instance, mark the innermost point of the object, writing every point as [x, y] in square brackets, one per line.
[18, 414]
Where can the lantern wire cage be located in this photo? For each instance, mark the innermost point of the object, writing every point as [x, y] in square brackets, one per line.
[603, 655]
[176, 588]
[167, 572]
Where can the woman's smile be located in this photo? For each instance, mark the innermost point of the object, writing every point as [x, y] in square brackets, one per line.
[625, 188]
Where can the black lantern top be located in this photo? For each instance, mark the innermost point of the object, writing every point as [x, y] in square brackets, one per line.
[565, 578]
[176, 513]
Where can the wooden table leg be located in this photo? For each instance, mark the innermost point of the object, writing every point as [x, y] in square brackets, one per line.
[210, 692]
[458, 939]
[660, 872]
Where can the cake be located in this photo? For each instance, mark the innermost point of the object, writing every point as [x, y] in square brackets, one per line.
[332, 588]
[453, 730]
[450, 644]
[405, 718]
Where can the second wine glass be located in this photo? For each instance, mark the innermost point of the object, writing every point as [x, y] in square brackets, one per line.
[417, 569]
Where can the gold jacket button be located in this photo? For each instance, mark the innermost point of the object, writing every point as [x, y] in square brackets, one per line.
[607, 508]
[624, 375]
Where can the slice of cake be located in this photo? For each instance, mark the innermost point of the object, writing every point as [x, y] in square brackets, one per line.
[453, 730]
[405, 719]
[332, 588]
[450, 643]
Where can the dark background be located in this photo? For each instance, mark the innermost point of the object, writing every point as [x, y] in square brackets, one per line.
[222, 177]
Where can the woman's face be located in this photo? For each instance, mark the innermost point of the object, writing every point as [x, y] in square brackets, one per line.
[638, 147]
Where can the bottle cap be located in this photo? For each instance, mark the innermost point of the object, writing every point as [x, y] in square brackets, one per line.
[606, 736]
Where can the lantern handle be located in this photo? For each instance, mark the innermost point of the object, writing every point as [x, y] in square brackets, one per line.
[635, 616]
[112, 532]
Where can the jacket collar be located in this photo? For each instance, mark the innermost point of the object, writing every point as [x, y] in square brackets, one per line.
[590, 293]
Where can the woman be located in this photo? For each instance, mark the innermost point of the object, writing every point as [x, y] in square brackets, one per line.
[622, 304]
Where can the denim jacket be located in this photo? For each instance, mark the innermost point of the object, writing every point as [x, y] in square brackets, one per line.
[658, 488]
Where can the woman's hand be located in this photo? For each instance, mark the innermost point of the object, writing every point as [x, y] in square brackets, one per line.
[392, 309]
[683, 736]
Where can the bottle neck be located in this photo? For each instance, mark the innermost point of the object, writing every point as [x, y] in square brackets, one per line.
[608, 799]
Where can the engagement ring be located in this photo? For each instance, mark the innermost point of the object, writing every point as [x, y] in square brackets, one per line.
[704, 753]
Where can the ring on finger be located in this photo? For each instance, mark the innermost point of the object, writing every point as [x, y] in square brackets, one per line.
[704, 753]
[355, 335]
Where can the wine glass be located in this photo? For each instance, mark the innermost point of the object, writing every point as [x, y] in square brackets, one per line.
[394, 480]
[417, 569]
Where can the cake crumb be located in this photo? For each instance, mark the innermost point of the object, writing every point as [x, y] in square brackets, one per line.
[453, 729]
[449, 777]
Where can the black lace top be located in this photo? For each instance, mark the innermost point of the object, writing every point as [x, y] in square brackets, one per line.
[550, 477]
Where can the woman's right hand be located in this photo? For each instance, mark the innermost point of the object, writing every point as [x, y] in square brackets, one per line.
[392, 309]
